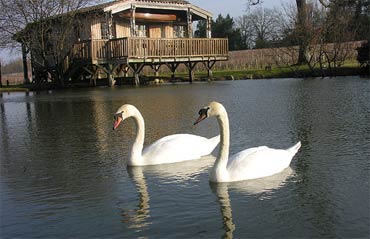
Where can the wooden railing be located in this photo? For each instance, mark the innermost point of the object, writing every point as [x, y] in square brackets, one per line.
[81, 50]
[142, 48]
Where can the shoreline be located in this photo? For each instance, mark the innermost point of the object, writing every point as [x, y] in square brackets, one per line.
[277, 73]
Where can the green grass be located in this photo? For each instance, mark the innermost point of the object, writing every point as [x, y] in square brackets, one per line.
[349, 68]
[13, 89]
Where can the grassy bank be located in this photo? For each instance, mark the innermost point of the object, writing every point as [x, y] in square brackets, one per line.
[276, 72]
[348, 69]
[17, 88]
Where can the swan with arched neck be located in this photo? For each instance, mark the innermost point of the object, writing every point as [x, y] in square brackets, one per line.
[169, 149]
[250, 163]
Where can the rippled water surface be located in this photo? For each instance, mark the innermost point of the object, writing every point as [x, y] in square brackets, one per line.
[64, 175]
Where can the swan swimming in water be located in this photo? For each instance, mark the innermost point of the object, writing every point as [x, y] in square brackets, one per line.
[169, 149]
[250, 163]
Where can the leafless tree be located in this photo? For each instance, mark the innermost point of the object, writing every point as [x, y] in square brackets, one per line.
[260, 27]
[301, 24]
[32, 24]
[246, 31]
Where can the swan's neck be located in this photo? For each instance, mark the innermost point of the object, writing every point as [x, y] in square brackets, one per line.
[223, 155]
[137, 147]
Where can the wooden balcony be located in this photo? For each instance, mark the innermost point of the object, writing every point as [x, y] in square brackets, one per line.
[150, 50]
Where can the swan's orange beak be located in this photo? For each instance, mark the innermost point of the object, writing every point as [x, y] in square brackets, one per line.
[200, 118]
[117, 122]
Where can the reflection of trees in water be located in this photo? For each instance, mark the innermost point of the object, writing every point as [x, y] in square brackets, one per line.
[166, 111]
[255, 186]
[3, 132]
[323, 119]
[50, 143]
[15, 122]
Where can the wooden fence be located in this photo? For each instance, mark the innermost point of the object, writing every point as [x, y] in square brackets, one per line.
[285, 56]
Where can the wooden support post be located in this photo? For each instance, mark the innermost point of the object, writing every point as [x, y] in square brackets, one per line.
[173, 66]
[110, 72]
[209, 64]
[191, 65]
[137, 79]
[136, 68]
[156, 69]
[109, 22]
[126, 68]
[94, 72]
[26, 80]
[132, 21]
[190, 23]
[94, 77]
[208, 27]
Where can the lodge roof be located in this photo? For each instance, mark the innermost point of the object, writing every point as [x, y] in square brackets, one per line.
[121, 5]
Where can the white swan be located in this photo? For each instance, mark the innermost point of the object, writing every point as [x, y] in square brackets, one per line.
[170, 149]
[250, 163]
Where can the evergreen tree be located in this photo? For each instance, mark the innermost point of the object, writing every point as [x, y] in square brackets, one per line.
[223, 27]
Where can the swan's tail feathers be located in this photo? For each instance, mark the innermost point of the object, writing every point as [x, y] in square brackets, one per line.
[294, 149]
[215, 140]
[213, 143]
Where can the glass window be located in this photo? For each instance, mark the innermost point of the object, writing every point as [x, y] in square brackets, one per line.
[179, 31]
[141, 31]
[104, 30]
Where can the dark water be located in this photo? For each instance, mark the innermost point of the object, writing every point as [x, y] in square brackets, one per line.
[63, 172]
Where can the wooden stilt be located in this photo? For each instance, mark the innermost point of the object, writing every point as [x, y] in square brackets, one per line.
[136, 68]
[122, 68]
[191, 65]
[111, 80]
[94, 72]
[125, 70]
[209, 64]
[173, 66]
[156, 69]
[109, 70]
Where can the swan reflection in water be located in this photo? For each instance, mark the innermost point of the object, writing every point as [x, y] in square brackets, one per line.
[254, 186]
[139, 218]
[182, 173]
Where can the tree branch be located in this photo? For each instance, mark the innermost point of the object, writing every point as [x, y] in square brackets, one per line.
[324, 3]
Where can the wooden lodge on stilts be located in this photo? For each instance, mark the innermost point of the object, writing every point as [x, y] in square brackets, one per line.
[123, 36]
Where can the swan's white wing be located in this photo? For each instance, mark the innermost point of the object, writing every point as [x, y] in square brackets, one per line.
[177, 148]
[257, 162]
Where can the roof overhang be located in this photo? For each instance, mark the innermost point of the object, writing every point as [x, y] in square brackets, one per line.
[126, 5]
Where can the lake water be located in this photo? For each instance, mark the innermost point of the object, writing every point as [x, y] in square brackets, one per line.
[64, 174]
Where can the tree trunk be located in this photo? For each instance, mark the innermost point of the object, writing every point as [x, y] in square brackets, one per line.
[302, 30]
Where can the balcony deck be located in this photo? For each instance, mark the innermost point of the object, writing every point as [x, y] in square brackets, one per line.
[150, 50]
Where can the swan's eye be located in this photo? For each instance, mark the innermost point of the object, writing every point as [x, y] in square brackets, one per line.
[118, 115]
[204, 111]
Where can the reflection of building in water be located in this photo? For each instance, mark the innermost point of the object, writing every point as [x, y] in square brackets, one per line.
[16, 120]
[166, 115]
[254, 186]
[99, 121]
